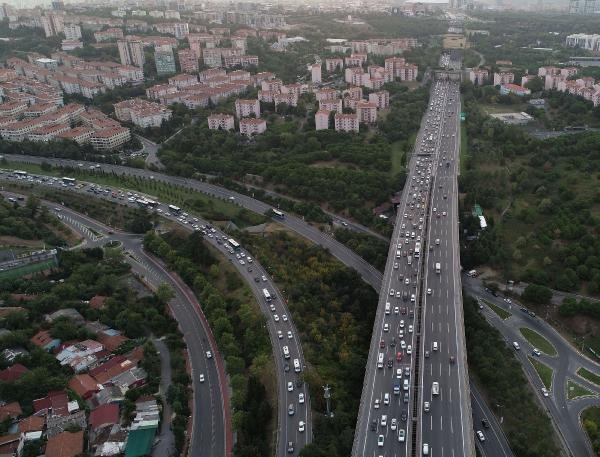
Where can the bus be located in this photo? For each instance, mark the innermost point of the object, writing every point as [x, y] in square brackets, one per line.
[68, 181]
[174, 209]
[278, 214]
[20, 173]
[234, 244]
[267, 295]
[417, 249]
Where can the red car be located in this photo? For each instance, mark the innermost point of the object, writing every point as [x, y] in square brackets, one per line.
[382, 344]
[398, 356]
[404, 310]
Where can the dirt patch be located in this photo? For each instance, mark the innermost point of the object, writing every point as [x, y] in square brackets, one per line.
[15, 241]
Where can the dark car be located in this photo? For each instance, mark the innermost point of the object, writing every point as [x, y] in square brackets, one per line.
[404, 416]
[485, 423]
[390, 363]
[286, 367]
[373, 425]
[257, 279]
[290, 447]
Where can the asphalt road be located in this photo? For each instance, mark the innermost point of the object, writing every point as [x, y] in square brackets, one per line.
[293, 405]
[565, 414]
[399, 373]
[345, 255]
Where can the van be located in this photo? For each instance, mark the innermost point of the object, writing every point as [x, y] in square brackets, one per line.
[434, 346]
[387, 308]
[297, 365]
[435, 388]
[380, 360]
[398, 253]
[438, 267]
[286, 352]
[516, 346]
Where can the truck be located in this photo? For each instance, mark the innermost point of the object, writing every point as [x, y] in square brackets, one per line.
[396, 386]
[438, 267]
[398, 253]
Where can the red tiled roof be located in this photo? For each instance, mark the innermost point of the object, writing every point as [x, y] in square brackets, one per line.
[104, 415]
[10, 410]
[41, 338]
[56, 400]
[83, 385]
[13, 373]
[32, 424]
[65, 444]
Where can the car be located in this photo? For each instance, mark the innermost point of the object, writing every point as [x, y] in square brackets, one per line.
[279, 334]
[394, 424]
[380, 440]
[290, 386]
[386, 327]
[256, 279]
[406, 397]
[290, 335]
[373, 425]
[390, 363]
[485, 423]
[401, 435]
[480, 436]
[410, 328]
[397, 294]
[377, 403]
[396, 265]
[291, 410]
[403, 344]
[403, 310]
[272, 307]
[264, 278]
[402, 324]
[301, 426]
[275, 317]
[426, 354]
[536, 351]
[208, 355]
[425, 449]
[404, 416]
[399, 356]
[201, 377]
[545, 392]
[398, 373]
[396, 310]
[301, 398]
[407, 281]
[428, 291]
[391, 292]
[383, 420]
[381, 344]
[426, 407]
[290, 447]
[409, 349]
[284, 317]
[286, 367]
[444, 213]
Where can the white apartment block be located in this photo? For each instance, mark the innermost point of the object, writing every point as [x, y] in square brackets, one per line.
[110, 138]
[331, 105]
[478, 76]
[142, 113]
[315, 73]
[401, 70]
[290, 98]
[346, 122]
[273, 85]
[326, 94]
[334, 64]
[355, 60]
[243, 61]
[366, 112]
[322, 119]
[108, 34]
[505, 77]
[72, 32]
[355, 76]
[221, 122]
[250, 126]
[353, 93]
[131, 52]
[381, 99]
[244, 108]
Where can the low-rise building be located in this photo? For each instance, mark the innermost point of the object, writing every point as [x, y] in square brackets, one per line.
[250, 126]
[221, 122]
[142, 113]
[521, 91]
[110, 138]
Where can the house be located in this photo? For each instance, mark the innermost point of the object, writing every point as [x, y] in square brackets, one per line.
[143, 428]
[11, 354]
[110, 394]
[65, 444]
[55, 425]
[44, 340]
[10, 411]
[97, 301]
[9, 444]
[55, 403]
[13, 373]
[109, 441]
[70, 313]
[80, 356]
[104, 415]
[111, 339]
[84, 385]
[32, 424]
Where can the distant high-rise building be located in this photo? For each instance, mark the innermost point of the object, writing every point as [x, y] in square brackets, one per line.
[164, 60]
[53, 23]
[131, 52]
[58, 5]
[315, 73]
[584, 6]
[72, 32]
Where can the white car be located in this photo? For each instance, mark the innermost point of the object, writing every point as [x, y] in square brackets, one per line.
[386, 398]
[290, 386]
[377, 403]
[428, 291]
[391, 292]
[208, 355]
[398, 373]
[480, 436]
[383, 420]
[402, 344]
[201, 377]
[401, 435]
[284, 317]
[275, 317]
[279, 334]
[396, 265]
[426, 406]
[402, 324]
[380, 440]
[425, 449]
[301, 398]
[545, 392]
[301, 426]
[396, 310]
[290, 335]
[386, 327]
[410, 329]
[272, 307]
[394, 424]
[409, 349]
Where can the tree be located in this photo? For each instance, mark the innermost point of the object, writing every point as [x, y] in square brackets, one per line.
[537, 294]
[535, 84]
[164, 293]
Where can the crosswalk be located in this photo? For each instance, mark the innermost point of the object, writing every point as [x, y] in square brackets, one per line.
[84, 229]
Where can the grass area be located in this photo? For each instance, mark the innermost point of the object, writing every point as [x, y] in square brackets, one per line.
[500, 109]
[591, 423]
[398, 157]
[205, 206]
[538, 341]
[543, 371]
[499, 311]
[575, 390]
[28, 269]
[590, 376]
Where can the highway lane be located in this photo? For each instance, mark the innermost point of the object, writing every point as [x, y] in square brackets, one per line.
[394, 429]
[280, 324]
[208, 431]
[563, 412]
[369, 274]
[446, 428]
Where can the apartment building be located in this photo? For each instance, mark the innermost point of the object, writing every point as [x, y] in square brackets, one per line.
[250, 126]
[211, 73]
[245, 108]
[331, 105]
[355, 60]
[478, 76]
[346, 122]
[315, 73]
[46, 133]
[183, 80]
[521, 91]
[401, 70]
[131, 52]
[355, 76]
[590, 42]
[164, 60]
[221, 122]
[326, 94]
[505, 77]
[188, 60]
[243, 61]
[110, 138]
[322, 119]
[81, 135]
[160, 90]
[290, 98]
[332, 65]
[381, 99]
[366, 112]
[142, 113]
[273, 85]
